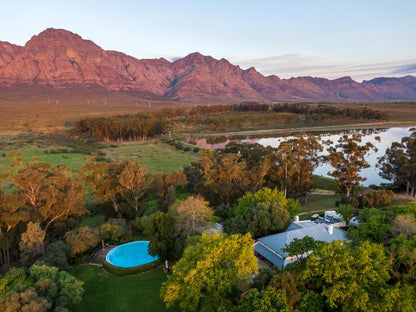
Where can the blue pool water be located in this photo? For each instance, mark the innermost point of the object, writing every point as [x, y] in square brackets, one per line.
[130, 255]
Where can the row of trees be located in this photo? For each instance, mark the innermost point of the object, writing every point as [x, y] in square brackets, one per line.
[225, 175]
[143, 126]
[309, 109]
[123, 128]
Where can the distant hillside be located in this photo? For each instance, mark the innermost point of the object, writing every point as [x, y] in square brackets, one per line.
[60, 59]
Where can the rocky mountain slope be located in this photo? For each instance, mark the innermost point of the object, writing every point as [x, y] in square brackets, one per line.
[60, 59]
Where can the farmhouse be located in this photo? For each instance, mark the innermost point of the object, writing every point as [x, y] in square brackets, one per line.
[270, 247]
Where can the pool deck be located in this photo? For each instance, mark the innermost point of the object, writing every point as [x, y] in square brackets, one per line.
[99, 256]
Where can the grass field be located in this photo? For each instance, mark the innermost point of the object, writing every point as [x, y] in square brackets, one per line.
[156, 156]
[106, 292]
[320, 202]
[324, 183]
[72, 160]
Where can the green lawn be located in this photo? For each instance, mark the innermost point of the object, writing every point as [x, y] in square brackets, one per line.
[106, 292]
[320, 202]
[156, 156]
[93, 220]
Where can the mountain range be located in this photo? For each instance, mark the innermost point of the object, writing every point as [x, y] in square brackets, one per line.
[59, 59]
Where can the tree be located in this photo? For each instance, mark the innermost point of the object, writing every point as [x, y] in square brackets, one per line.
[68, 289]
[351, 279]
[193, 213]
[56, 255]
[295, 160]
[264, 195]
[286, 282]
[226, 178]
[31, 245]
[266, 300]
[204, 277]
[13, 278]
[49, 194]
[258, 159]
[24, 299]
[374, 226]
[404, 224]
[103, 177]
[299, 248]
[82, 239]
[403, 252]
[265, 218]
[13, 213]
[346, 211]
[399, 163]
[164, 188]
[44, 289]
[134, 183]
[348, 158]
[114, 230]
[164, 240]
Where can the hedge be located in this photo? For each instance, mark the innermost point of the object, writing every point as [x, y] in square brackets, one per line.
[132, 270]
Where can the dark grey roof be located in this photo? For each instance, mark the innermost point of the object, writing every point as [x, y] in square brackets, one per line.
[318, 231]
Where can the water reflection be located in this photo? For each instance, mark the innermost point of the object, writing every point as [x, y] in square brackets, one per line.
[381, 138]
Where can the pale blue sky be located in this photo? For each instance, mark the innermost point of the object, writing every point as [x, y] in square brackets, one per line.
[363, 39]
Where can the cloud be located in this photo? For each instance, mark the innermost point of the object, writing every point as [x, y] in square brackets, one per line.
[407, 69]
[307, 64]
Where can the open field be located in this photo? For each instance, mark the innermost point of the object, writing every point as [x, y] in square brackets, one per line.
[107, 292]
[320, 202]
[156, 156]
[72, 160]
[58, 109]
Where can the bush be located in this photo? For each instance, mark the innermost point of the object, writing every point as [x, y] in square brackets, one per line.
[370, 198]
[196, 149]
[56, 255]
[186, 149]
[179, 145]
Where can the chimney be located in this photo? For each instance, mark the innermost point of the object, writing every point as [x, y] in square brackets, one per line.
[331, 229]
[296, 219]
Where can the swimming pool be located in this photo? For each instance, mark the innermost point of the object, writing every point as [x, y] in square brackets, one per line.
[130, 255]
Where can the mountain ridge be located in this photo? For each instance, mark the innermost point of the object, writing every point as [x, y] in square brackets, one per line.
[60, 59]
